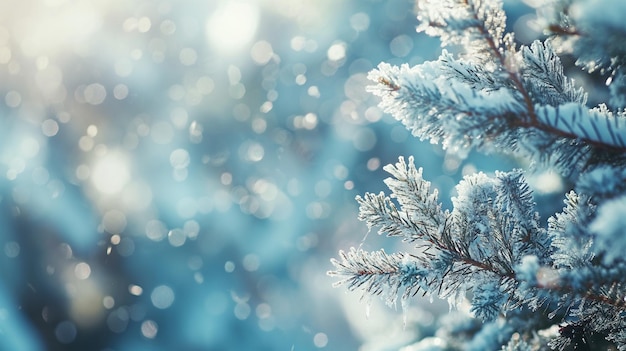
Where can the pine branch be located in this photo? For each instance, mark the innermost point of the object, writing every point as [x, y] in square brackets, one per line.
[415, 196]
[379, 273]
[569, 234]
[440, 108]
[518, 94]
[598, 127]
[477, 244]
[463, 22]
[483, 245]
[495, 98]
[493, 42]
[542, 74]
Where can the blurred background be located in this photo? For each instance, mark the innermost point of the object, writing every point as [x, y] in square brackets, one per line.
[178, 174]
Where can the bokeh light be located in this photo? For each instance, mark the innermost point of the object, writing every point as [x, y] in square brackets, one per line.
[111, 173]
[232, 25]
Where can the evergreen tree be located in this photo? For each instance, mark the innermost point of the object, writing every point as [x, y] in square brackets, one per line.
[532, 287]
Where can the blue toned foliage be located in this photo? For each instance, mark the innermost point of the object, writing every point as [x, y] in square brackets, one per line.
[533, 285]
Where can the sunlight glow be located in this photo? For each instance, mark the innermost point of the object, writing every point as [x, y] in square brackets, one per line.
[232, 25]
[111, 173]
[57, 26]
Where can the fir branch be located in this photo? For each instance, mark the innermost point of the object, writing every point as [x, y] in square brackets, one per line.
[379, 273]
[377, 210]
[441, 108]
[488, 300]
[478, 228]
[598, 126]
[493, 43]
[478, 243]
[537, 83]
[464, 22]
[527, 238]
[568, 232]
[473, 74]
[491, 232]
[543, 77]
[491, 244]
[415, 196]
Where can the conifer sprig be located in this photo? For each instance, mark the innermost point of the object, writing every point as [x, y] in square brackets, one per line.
[491, 246]
[494, 97]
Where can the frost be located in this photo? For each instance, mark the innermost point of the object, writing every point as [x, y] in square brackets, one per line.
[595, 125]
[523, 277]
[471, 248]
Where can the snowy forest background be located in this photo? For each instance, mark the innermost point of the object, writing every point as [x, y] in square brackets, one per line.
[176, 175]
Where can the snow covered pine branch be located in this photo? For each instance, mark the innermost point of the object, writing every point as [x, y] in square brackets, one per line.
[562, 286]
